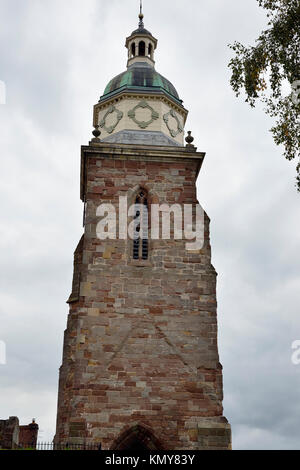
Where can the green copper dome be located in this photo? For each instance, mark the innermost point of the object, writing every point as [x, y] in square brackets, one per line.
[140, 76]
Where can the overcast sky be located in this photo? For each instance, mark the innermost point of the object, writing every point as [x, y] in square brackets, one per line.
[56, 57]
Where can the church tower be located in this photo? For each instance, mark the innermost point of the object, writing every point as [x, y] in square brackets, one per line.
[140, 365]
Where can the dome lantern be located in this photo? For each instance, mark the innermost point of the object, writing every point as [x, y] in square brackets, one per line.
[141, 44]
[140, 106]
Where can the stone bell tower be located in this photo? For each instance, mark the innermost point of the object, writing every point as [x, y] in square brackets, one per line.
[140, 363]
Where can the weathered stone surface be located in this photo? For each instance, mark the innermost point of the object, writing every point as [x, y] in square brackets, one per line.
[9, 433]
[13, 436]
[141, 138]
[140, 350]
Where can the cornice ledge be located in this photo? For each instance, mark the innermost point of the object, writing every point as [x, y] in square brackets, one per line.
[141, 150]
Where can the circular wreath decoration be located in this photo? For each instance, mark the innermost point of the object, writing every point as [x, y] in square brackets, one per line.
[144, 105]
[112, 109]
[179, 129]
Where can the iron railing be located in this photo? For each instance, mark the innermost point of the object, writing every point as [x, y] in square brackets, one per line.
[55, 446]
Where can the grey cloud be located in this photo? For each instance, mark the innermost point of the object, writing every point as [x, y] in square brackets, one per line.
[56, 59]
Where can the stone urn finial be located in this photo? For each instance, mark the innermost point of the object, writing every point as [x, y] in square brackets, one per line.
[189, 139]
[96, 133]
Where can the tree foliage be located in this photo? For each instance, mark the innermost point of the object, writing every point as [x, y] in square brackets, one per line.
[263, 70]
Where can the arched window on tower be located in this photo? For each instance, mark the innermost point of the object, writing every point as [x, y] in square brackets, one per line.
[150, 50]
[142, 48]
[133, 49]
[140, 241]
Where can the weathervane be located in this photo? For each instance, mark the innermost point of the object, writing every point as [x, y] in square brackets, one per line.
[141, 16]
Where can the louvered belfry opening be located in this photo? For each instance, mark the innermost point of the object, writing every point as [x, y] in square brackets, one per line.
[140, 241]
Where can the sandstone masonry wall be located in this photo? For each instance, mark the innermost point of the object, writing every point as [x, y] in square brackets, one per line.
[140, 348]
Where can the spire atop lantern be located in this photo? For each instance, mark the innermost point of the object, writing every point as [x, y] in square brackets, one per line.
[141, 44]
[141, 16]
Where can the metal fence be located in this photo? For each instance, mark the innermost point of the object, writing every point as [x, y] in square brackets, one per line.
[54, 446]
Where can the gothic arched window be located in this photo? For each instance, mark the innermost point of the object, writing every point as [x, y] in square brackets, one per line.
[142, 48]
[150, 50]
[140, 241]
